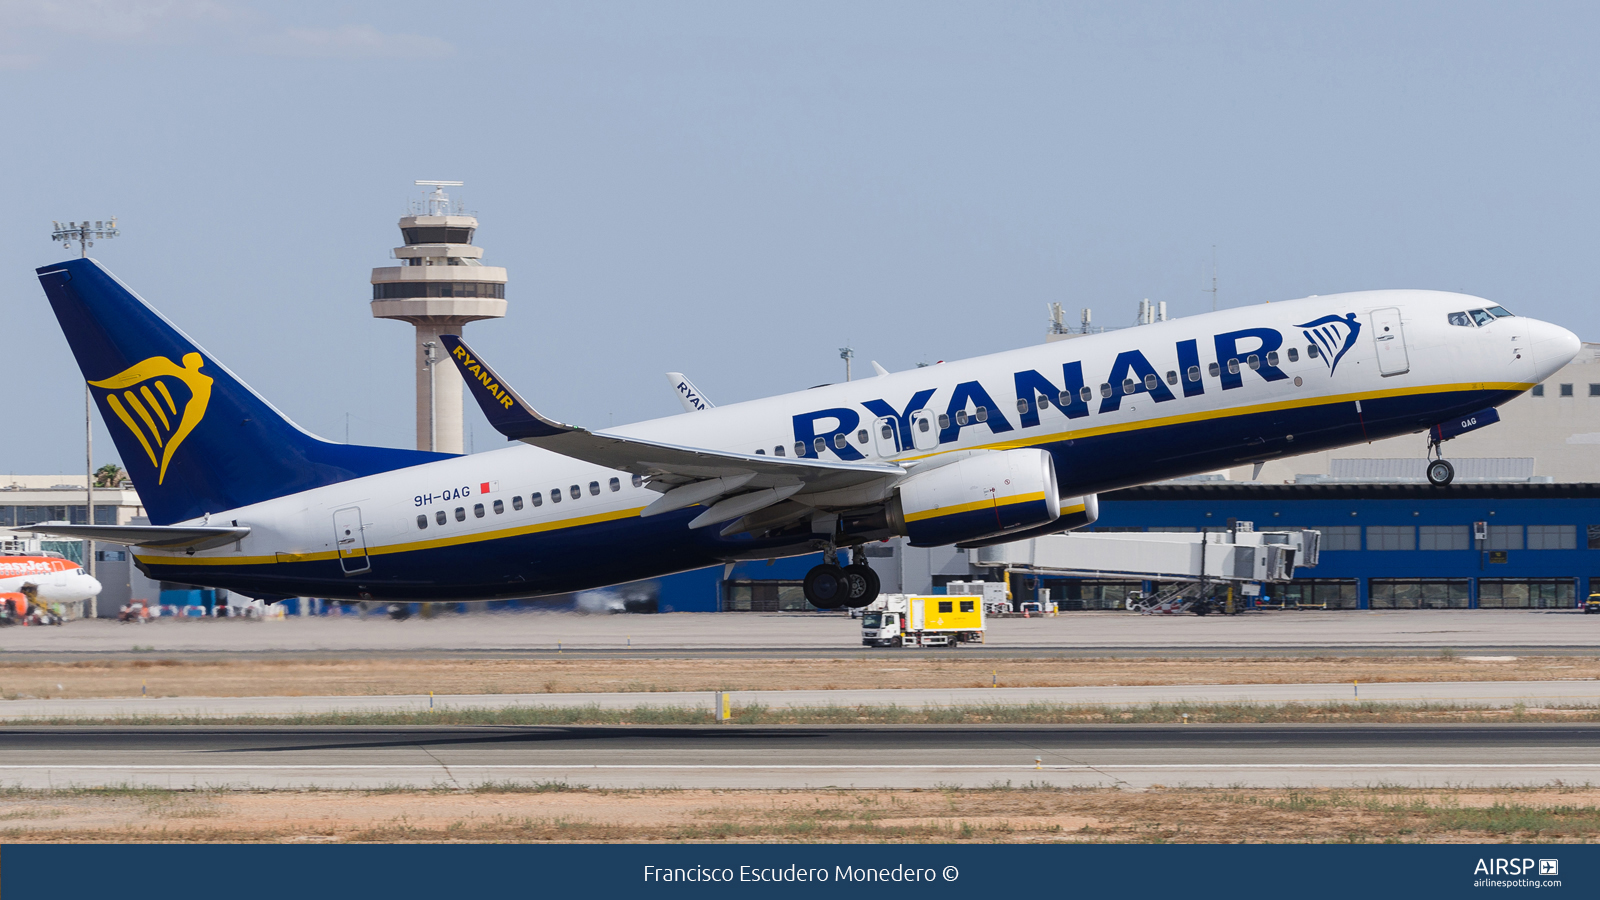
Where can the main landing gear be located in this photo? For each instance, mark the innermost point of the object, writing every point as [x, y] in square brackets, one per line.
[831, 586]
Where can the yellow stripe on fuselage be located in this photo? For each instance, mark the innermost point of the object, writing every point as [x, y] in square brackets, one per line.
[975, 505]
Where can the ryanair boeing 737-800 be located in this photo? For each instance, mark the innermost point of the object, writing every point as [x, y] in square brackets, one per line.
[979, 451]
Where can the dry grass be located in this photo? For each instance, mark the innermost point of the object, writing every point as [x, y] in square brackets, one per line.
[167, 677]
[1001, 813]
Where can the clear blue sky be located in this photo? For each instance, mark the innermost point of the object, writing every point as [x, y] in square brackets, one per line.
[736, 190]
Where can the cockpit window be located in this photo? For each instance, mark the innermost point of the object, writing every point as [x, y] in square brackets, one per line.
[1500, 312]
[1480, 316]
[1460, 318]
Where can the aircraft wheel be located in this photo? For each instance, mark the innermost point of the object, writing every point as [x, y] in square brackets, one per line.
[1441, 473]
[825, 587]
[862, 584]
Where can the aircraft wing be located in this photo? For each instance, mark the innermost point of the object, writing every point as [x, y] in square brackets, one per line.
[163, 537]
[698, 474]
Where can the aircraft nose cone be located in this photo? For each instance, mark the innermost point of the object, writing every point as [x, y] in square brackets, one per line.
[91, 585]
[1553, 347]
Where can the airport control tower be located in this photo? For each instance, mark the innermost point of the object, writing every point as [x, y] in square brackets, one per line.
[440, 285]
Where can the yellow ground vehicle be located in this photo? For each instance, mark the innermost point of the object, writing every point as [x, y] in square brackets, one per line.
[908, 620]
[1592, 605]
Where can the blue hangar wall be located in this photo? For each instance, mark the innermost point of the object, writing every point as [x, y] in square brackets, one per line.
[1402, 546]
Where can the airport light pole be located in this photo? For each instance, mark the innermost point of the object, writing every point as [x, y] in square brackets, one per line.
[847, 354]
[86, 234]
[433, 407]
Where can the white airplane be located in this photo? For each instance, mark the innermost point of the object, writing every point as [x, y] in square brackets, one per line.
[999, 447]
[53, 579]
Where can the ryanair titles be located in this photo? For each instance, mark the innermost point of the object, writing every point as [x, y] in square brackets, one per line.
[476, 369]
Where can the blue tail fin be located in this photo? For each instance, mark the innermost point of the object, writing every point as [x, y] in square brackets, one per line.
[194, 438]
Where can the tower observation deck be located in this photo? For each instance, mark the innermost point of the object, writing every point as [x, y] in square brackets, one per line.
[440, 285]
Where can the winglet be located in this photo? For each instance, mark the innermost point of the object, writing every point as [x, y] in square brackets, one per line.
[508, 413]
[691, 397]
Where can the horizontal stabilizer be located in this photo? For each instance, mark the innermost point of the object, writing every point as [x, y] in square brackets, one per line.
[164, 537]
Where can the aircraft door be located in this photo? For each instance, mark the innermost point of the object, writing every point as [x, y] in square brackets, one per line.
[886, 436]
[1391, 342]
[924, 430]
[350, 541]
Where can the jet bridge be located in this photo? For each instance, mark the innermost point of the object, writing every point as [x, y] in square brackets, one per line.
[1195, 561]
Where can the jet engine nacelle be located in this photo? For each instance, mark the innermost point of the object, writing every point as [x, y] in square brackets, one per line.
[977, 497]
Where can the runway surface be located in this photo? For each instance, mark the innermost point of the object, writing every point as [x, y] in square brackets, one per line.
[548, 635]
[730, 756]
[1448, 693]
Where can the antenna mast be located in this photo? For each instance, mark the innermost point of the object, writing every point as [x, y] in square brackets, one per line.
[1213, 291]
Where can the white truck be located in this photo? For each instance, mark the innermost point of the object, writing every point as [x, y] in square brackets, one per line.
[909, 620]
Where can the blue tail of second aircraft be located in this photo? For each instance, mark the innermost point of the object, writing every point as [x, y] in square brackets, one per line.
[194, 438]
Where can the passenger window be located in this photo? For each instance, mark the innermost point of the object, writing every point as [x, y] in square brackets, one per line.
[1193, 373]
[574, 492]
[760, 452]
[947, 606]
[888, 432]
[616, 485]
[1312, 352]
[1253, 361]
[1022, 405]
[862, 436]
[1065, 399]
[1294, 355]
[516, 502]
[1151, 381]
[922, 424]
[966, 605]
[1128, 385]
[555, 495]
[1086, 393]
[499, 507]
[839, 441]
[1482, 317]
[961, 417]
[1272, 359]
[1459, 318]
[440, 517]
[477, 510]
[1233, 367]
[1172, 376]
[1105, 390]
[461, 514]
[536, 498]
[1214, 370]
[944, 421]
[981, 414]
[594, 488]
[1500, 312]
[422, 521]
[638, 480]
[776, 451]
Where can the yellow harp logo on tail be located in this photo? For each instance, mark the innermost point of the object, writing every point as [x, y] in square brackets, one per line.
[160, 402]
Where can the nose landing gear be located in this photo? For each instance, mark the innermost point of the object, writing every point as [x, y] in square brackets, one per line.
[1440, 473]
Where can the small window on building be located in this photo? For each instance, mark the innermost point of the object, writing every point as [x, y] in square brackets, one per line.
[1444, 537]
[1505, 537]
[1294, 355]
[536, 498]
[1391, 537]
[1340, 537]
[1151, 382]
[947, 606]
[516, 502]
[1086, 394]
[981, 414]
[440, 517]
[961, 417]
[1192, 373]
[594, 488]
[574, 491]
[1566, 390]
[1215, 371]
[1459, 318]
[461, 514]
[1594, 390]
[1233, 367]
[967, 605]
[616, 485]
[1312, 352]
[422, 521]
[1538, 390]
[477, 510]
[1552, 537]
[1253, 361]
[499, 507]
[1272, 359]
[555, 495]
[862, 437]
[1022, 405]
[1594, 537]
[1172, 376]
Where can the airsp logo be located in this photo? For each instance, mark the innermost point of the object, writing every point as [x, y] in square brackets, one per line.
[160, 402]
[1334, 335]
